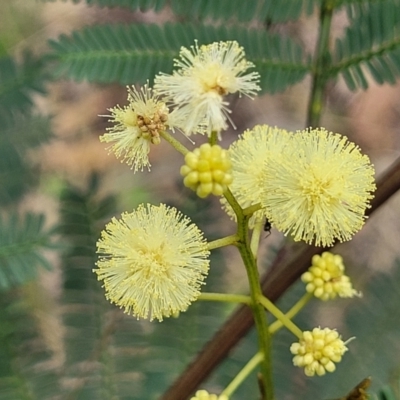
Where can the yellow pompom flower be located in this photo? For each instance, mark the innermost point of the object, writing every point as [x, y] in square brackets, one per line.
[254, 148]
[152, 261]
[207, 170]
[326, 279]
[319, 188]
[204, 395]
[205, 75]
[136, 127]
[318, 351]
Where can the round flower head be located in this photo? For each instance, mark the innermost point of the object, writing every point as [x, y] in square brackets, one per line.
[326, 279]
[207, 170]
[319, 188]
[136, 126]
[205, 75]
[318, 351]
[152, 261]
[204, 395]
[254, 148]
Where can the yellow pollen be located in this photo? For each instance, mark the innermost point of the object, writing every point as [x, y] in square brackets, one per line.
[214, 79]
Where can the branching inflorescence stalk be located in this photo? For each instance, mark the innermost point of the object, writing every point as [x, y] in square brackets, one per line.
[259, 314]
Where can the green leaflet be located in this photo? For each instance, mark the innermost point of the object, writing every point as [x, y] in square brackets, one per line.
[130, 54]
[21, 240]
[221, 10]
[370, 46]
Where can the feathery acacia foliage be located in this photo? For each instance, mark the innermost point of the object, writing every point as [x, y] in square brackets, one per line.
[21, 242]
[135, 53]
[18, 80]
[25, 371]
[370, 44]
[221, 10]
[20, 130]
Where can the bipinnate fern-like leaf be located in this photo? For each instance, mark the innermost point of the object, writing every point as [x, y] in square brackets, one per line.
[25, 131]
[18, 81]
[18, 133]
[20, 129]
[86, 314]
[22, 238]
[139, 5]
[130, 54]
[221, 10]
[82, 218]
[243, 11]
[142, 5]
[370, 46]
[25, 368]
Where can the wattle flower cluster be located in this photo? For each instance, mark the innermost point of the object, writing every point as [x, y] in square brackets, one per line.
[318, 351]
[152, 261]
[313, 185]
[205, 74]
[326, 279]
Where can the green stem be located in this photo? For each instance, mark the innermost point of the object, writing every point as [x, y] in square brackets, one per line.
[278, 314]
[259, 314]
[225, 241]
[252, 209]
[175, 143]
[255, 237]
[233, 203]
[242, 375]
[213, 139]
[320, 61]
[226, 297]
[276, 325]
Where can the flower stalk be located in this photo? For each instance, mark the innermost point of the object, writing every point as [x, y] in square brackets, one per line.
[301, 303]
[260, 319]
[242, 375]
[278, 314]
[174, 143]
[225, 241]
[225, 297]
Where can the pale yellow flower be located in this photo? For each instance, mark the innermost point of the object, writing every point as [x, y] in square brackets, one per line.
[254, 148]
[205, 75]
[319, 189]
[326, 278]
[318, 351]
[204, 395]
[207, 170]
[136, 127]
[153, 261]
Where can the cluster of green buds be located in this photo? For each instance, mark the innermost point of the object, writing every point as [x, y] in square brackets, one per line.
[326, 279]
[207, 170]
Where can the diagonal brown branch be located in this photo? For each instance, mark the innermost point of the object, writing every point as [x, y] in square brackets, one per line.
[290, 263]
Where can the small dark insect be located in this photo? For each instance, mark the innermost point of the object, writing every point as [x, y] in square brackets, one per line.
[267, 227]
